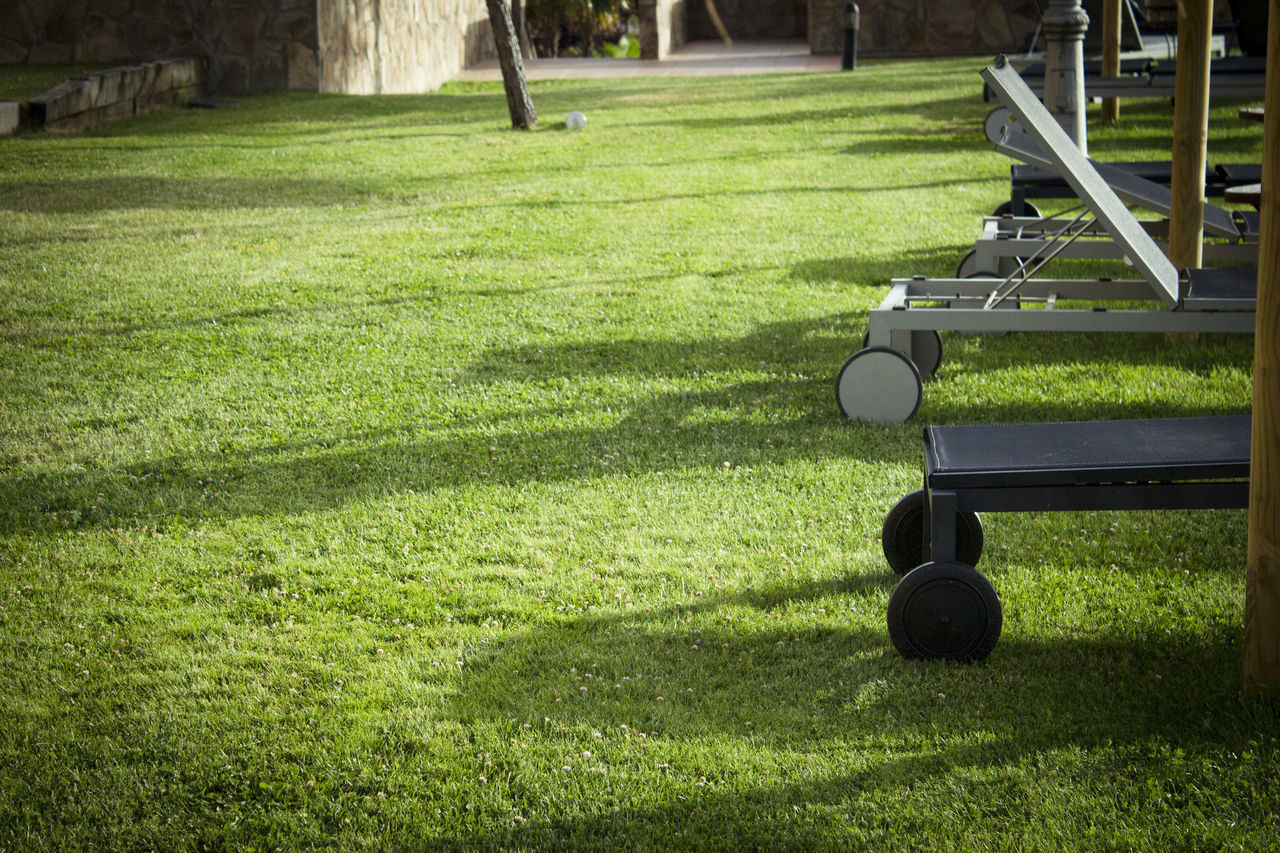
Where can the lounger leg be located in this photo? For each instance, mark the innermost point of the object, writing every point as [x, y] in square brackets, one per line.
[940, 521]
[900, 339]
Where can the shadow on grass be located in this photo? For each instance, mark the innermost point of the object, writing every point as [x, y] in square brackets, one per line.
[307, 115]
[877, 270]
[720, 194]
[91, 195]
[794, 411]
[304, 119]
[788, 412]
[1010, 396]
[964, 113]
[786, 693]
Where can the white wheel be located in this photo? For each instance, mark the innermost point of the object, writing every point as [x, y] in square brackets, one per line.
[880, 385]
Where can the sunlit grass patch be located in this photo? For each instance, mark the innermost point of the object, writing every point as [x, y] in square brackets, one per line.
[374, 476]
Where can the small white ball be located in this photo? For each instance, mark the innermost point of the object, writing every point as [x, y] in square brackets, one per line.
[575, 120]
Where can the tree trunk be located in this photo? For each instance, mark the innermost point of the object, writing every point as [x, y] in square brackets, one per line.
[1262, 582]
[717, 23]
[520, 105]
[522, 29]
[1111, 27]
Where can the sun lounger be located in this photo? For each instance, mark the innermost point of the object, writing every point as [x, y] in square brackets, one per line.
[1010, 130]
[1027, 182]
[1007, 242]
[1018, 232]
[1230, 77]
[882, 382]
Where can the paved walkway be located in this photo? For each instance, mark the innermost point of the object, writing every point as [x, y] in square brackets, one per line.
[696, 59]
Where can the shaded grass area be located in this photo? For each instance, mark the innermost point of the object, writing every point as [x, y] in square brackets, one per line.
[373, 475]
[22, 82]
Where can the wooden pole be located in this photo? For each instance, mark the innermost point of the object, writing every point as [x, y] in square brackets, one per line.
[519, 104]
[522, 30]
[718, 23]
[1111, 55]
[1262, 583]
[1190, 133]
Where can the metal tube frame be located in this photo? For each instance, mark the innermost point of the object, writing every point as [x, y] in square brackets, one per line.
[958, 305]
[1007, 241]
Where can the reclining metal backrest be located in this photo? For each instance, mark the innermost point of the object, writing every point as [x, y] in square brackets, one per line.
[1009, 138]
[1059, 154]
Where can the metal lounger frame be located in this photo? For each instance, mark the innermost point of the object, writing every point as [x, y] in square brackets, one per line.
[943, 607]
[967, 305]
[1216, 479]
[1008, 241]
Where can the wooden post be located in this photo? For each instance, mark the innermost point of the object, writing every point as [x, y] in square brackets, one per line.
[1111, 55]
[1262, 583]
[1190, 133]
[519, 104]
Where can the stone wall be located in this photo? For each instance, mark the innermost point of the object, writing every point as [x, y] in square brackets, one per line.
[83, 102]
[750, 19]
[925, 27]
[357, 46]
[888, 27]
[399, 46]
[248, 44]
[913, 27]
[662, 27]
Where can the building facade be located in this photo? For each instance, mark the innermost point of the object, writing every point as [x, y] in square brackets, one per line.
[888, 27]
[400, 46]
[352, 46]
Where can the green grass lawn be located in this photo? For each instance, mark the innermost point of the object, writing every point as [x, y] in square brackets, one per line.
[23, 82]
[372, 475]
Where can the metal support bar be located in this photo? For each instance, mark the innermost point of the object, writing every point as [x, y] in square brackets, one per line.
[1004, 240]
[902, 311]
[1112, 496]
[1072, 320]
[1049, 249]
[940, 521]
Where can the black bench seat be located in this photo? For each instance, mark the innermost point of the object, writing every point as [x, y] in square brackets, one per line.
[943, 607]
[1100, 452]
[1220, 288]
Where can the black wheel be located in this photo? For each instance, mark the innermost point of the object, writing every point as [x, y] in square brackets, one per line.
[880, 385]
[902, 536]
[1028, 209]
[968, 268]
[926, 349]
[944, 611]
